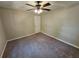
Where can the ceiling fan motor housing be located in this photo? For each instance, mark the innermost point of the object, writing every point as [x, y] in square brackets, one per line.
[38, 6]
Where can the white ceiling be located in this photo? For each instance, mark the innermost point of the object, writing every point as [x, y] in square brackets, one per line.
[20, 5]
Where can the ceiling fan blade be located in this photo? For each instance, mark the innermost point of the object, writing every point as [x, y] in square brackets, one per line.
[47, 4]
[46, 9]
[30, 5]
[29, 9]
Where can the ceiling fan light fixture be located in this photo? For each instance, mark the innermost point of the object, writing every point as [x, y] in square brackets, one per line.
[38, 11]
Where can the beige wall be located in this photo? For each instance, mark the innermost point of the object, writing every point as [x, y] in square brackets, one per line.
[63, 24]
[2, 38]
[17, 23]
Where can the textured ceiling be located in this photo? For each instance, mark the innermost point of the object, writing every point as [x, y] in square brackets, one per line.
[20, 5]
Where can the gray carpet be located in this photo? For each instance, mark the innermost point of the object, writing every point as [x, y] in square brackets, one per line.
[39, 46]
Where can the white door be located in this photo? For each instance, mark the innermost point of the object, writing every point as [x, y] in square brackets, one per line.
[37, 23]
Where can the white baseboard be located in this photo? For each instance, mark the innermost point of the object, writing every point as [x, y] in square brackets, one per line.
[3, 49]
[20, 37]
[62, 40]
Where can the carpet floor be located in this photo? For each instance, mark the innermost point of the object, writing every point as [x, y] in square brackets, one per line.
[39, 45]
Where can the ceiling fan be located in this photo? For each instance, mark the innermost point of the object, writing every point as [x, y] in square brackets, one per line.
[38, 8]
